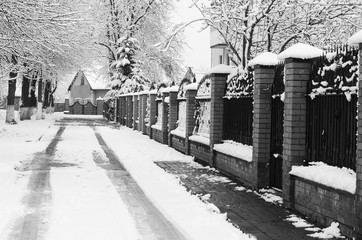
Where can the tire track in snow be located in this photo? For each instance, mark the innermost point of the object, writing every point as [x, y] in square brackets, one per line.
[150, 222]
[38, 199]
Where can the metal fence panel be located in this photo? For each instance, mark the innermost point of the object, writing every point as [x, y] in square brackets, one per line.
[238, 120]
[331, 130]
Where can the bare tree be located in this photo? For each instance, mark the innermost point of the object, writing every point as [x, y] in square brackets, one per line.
[43, 34]
[249, 27]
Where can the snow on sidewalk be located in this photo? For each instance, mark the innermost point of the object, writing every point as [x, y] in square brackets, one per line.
[138, 153]
[18, 143]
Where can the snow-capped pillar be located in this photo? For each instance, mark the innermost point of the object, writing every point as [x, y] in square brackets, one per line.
[190, 113]
[264, 65]
[164, 123]
[218, 85]
[135, 111]
[297, 71]
[295, 110]
[129, 110]
[143, 112]
[264, 76]
[153, 109]
[66, 105]
[172, 114]
[99, 106]
[358, 199]
[123, 113]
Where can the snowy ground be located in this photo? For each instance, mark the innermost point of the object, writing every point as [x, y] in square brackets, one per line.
[81, 194]
[79, 200]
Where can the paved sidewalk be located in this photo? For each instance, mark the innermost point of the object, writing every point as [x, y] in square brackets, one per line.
[247, 210]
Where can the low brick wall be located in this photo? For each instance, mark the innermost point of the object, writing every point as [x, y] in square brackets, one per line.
[157, 135]
[200, 151]
[234, 167]
[178, 143]
[323, 204]
[59, 107]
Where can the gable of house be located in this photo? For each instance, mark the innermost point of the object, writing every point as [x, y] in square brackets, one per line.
[80, 87]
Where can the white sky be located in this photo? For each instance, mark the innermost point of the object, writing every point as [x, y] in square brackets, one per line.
[197, 53]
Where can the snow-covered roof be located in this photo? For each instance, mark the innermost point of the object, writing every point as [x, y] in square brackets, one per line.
[97, 81]
[301, 51]
[265, 59]
[355, 39]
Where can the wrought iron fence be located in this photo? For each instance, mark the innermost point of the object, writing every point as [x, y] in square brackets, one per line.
[238, 120]
[332, 108]
[331, 130]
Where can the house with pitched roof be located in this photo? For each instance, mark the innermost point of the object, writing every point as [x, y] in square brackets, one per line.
[86, 88]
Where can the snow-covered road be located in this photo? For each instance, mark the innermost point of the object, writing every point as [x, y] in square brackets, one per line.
[87, 181]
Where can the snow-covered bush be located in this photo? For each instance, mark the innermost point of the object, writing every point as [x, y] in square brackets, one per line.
[240, 84]
[126, 74]
[202, 116]
[181, 121]
[204, 89]
[335, 73]
[159, 113]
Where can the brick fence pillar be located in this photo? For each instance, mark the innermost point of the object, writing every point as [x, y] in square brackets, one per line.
[140, 113]
[263, 80]
[99, 107]
[129, 111]
[295, 109]
[143, 112]
[218, 85]
[135, 111]
[172, 114]
[358, 199]
[164, 123]
[190, 113]
[153, 110]
[123, 113]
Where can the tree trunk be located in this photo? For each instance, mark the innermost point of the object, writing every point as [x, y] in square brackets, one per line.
[24, 110]
[39, 114]
[10, 116]
[32, 100]
[47, 91]
[25, 92]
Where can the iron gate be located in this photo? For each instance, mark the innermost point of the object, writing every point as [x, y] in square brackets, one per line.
[86, 109]
[276, 136]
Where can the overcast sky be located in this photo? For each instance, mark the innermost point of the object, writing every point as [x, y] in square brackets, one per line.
[197, 54]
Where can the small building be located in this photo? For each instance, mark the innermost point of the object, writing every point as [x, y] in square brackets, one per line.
[219, 52]
[85, 89]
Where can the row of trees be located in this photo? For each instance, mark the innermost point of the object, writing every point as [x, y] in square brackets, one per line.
[43, 39]
[38, 39]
